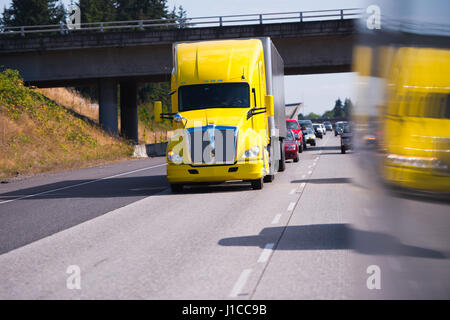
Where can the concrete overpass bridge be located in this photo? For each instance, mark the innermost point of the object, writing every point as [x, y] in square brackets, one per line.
[140, 51]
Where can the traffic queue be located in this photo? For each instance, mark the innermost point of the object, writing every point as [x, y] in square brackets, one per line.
[302, 134]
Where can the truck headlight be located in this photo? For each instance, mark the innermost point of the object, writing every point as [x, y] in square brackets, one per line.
[416, 161]
[252, 152]
[174, 157]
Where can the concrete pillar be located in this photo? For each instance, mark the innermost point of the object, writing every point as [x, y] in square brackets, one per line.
[108, 105]
[129, 111]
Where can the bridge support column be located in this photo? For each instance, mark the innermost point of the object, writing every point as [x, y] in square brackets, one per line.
[108, 105]
[129, 111]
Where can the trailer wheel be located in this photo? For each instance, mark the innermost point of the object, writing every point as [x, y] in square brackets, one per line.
[282, 165]
[257, 184]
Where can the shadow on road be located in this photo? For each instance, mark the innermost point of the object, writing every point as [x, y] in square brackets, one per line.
[328, 148]
[324, 180]
[217, 188]
[333, 237]
[107, 188]
[116, 187]
[335, 153]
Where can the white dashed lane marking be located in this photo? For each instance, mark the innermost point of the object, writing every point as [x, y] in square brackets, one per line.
[240, 283]
[265, 254]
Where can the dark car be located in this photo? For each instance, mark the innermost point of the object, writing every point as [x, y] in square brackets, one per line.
[291, 146]
[338, 127]
[292, 124]
[307, 123]
[346, 138]
[328, 126]
[309, 136]
[318, 130]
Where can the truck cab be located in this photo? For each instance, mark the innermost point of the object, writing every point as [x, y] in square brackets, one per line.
[225, 113]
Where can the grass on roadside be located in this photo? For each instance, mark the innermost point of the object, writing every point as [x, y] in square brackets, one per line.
[38, 135]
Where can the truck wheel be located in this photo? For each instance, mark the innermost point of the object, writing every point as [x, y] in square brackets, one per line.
[257, 184]
[282, 164]
[343, 150]
[269, 178]
[176, 187]
[305, 146]
[300, 148]
[296, 159]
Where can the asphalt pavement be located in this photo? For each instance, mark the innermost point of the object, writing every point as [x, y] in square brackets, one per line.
[312, 233]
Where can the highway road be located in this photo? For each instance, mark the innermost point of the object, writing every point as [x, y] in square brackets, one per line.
[313, 233]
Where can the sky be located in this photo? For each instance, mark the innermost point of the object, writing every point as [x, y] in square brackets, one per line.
[317, 92]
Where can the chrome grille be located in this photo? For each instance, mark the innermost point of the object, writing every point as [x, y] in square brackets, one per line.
[212, 144]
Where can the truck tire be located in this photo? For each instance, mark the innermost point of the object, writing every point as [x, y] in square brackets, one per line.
[343, 150]
[176, 187]
[296, 159]
[282, 164]
[269, 178]
[257, 184]
[300, 148]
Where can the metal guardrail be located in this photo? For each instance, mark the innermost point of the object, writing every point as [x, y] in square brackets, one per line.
[213, 21]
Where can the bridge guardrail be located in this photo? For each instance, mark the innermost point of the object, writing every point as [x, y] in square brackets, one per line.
[213, 21]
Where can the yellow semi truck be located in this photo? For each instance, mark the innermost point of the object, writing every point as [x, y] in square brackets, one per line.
[227, 113]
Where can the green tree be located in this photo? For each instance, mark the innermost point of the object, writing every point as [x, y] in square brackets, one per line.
[97, 10]
[33, 12]
[347, 107]
[178, 15]
[328, 114]
[338, 110]
[312, 115]
[141, 9]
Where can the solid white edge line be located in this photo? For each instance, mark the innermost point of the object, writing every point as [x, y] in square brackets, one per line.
[240, 283]
[265, 254]
[81, 184]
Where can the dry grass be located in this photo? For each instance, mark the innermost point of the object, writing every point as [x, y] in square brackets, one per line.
[37, 135]
[73, 100]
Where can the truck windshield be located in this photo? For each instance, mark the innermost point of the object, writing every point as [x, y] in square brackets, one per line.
[220, 95]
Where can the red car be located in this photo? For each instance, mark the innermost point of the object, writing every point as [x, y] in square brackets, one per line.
[293, 125]
[291, 146]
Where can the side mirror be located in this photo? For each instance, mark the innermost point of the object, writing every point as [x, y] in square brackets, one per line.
[157, 108]
[270, 107]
